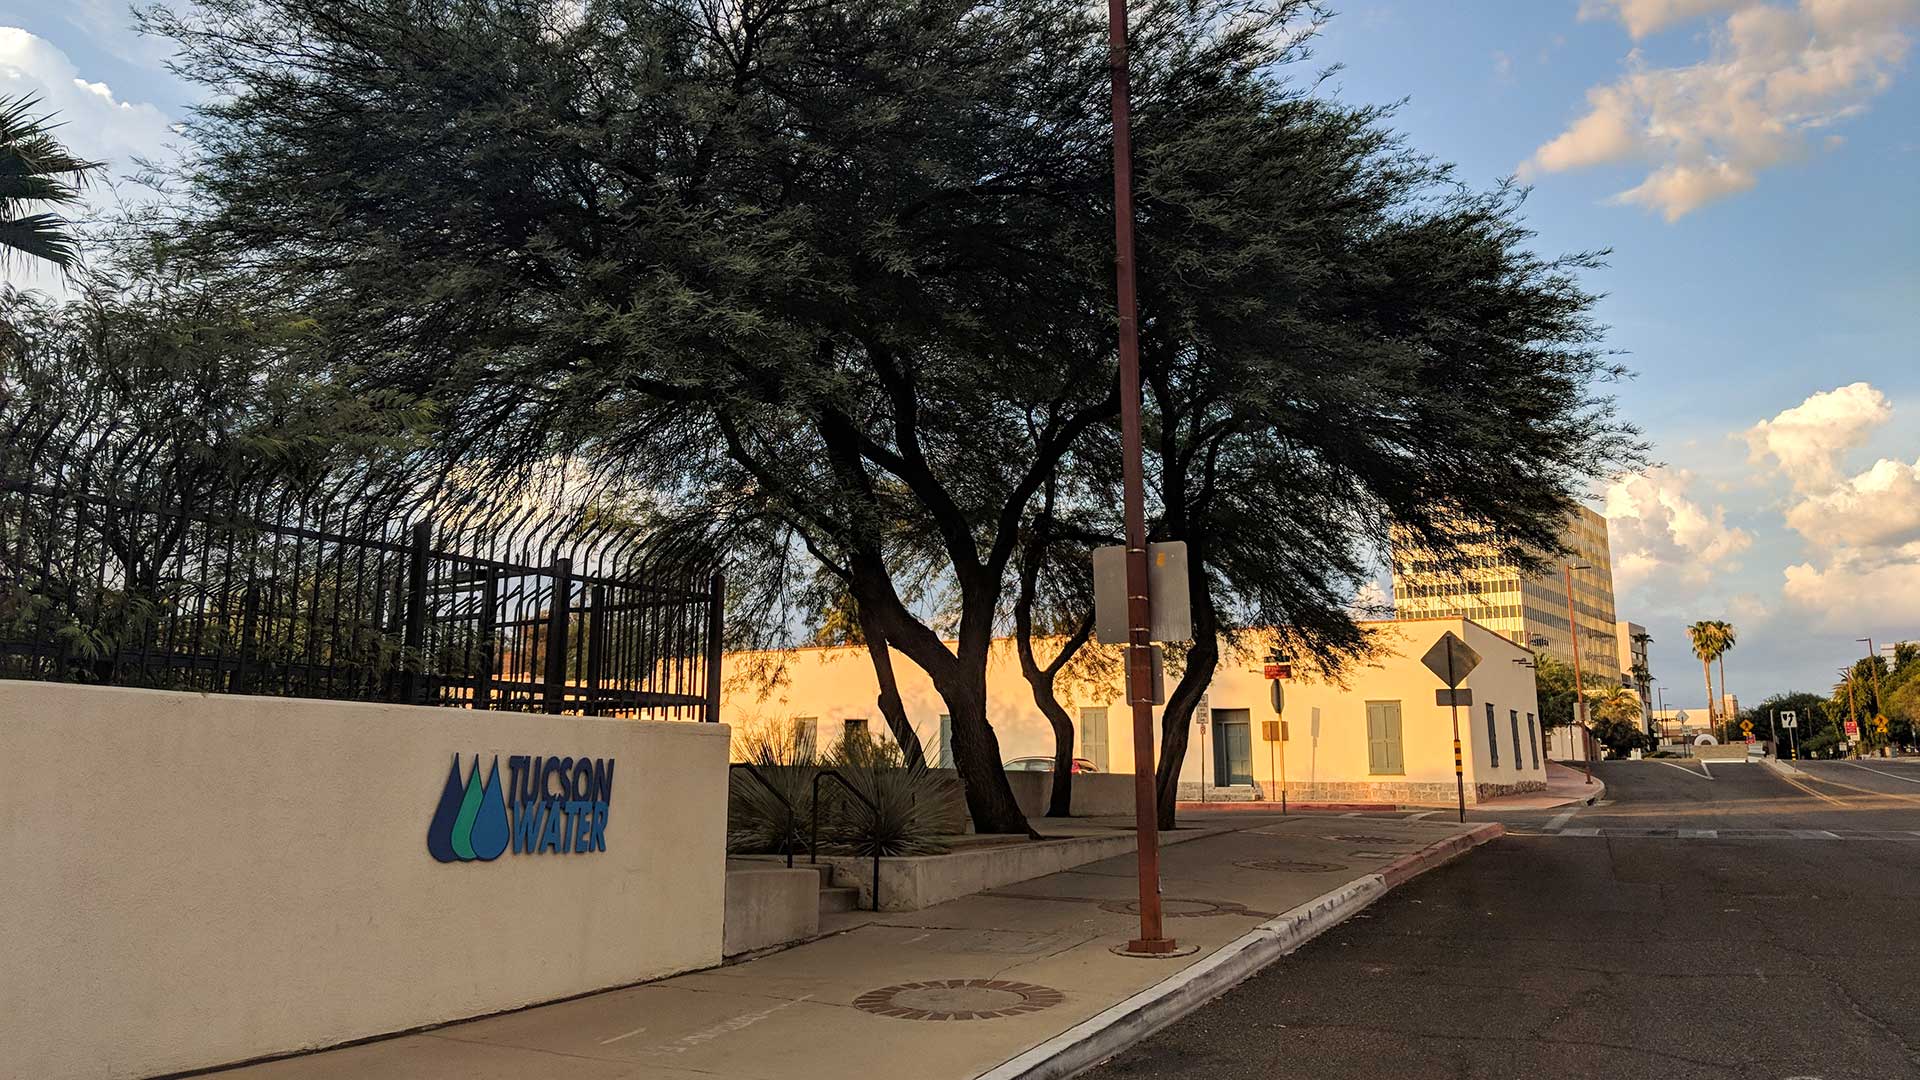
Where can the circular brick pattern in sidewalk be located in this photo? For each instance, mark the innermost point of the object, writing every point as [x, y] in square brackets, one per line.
[1291, 866]
[958, 999]
[1174, 907]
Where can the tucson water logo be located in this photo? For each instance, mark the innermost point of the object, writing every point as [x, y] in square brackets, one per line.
[548, 805]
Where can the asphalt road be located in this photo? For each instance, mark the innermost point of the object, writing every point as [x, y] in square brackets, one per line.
[1725, 922]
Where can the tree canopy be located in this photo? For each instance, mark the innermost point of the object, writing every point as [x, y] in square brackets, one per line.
[844, 269]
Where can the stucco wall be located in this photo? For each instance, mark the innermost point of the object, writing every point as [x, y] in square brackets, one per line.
[1326, 752]
[187, 880]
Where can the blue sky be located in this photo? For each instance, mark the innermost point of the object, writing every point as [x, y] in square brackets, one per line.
[1764, 282]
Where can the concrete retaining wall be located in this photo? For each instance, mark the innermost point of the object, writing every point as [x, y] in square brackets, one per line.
[1094, 794]
[188, 880]
[770, 906]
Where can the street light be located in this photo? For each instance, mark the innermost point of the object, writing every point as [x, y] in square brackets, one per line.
[1579, 690]
[1879, 705]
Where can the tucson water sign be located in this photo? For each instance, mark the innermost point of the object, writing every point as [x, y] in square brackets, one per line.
[547, 805]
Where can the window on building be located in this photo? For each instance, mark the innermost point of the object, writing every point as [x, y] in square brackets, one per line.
[1513, 716]
[1493, 737]
[1093, 736]
[1384, 754]
[856, 730]
[1533, 746]
[806, 737]
[944, 754]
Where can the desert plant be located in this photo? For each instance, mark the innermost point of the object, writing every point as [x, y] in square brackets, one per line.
[913, 809]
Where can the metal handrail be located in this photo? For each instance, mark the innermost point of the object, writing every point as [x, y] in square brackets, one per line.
[813, 839]
[792, 814]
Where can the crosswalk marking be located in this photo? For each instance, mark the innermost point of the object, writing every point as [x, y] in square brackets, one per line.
[1900, 835]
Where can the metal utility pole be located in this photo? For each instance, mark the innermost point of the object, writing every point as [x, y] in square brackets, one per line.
[1579, 691]
[1139, 623]
[1879, 703]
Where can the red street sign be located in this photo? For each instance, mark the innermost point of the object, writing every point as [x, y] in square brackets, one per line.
[1749, 740]
[1279, 671]
[1853, 729]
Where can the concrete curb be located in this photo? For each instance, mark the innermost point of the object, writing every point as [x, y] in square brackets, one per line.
[1782, 767]
[1107, 1033]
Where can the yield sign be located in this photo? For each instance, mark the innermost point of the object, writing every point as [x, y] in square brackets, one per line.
[1451, 659]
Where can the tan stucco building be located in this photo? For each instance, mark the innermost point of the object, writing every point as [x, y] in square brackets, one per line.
[1378, 737]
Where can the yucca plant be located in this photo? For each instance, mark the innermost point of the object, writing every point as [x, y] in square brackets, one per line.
[758, 821]
[913, 806]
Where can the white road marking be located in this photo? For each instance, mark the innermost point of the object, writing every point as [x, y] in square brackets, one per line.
[1699, 834]
[724, 1027]
[1579, 832]
[617, 1038]
[1814, 834]
[1562, 819]
[1881, 772]
[1702, 773]
[1356, 813]
[1421, 814]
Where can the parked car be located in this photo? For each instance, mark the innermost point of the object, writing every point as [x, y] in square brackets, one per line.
[1045, 764]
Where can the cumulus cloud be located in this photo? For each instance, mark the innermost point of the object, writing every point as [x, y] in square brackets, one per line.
[94, 123]
[1806, 442]
[1774, 78]
[1656, 527]
[1854, 582]
[1643, 17]
[1877, 509]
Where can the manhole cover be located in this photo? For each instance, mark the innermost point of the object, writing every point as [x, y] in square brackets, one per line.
[1174, 907]
[1292, 866]
[1361, 838]
[958, 999]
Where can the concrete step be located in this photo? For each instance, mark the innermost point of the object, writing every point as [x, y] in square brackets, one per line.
[839, 899]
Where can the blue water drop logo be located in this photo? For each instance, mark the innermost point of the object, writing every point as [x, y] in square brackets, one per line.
[490, 830]
[440, 831]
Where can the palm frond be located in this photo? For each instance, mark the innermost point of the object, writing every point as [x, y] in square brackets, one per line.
[41, 236]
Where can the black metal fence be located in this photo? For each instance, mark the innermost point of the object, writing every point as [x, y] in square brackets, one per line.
[116, 568]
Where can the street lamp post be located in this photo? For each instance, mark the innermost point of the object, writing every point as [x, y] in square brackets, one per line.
[1579, 691]
[1133, 487]
[1879, 706]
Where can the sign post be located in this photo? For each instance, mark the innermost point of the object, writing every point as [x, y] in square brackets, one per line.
[1276, 732]
[1452, 660]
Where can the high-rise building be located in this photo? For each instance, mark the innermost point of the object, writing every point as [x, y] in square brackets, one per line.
[1631, 639]
[1530, 609]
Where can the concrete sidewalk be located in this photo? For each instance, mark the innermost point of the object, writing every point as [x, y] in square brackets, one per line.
[1015, 982]
[1566, 786]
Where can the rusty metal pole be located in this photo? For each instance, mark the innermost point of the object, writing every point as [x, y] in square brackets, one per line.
[1139, 623]
[1579, 691]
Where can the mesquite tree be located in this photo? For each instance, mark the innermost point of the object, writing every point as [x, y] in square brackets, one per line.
[846, 264]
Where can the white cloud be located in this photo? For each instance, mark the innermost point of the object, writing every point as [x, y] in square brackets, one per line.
[94, 123]
[1878, 509]
[1774, 76]
[1655, 528]
[1643, 17]
[1807, 441]
[1857, 586]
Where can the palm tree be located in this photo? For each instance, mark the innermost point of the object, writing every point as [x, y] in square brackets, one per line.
[1726, 642]
[1705, 638]
[35, 168]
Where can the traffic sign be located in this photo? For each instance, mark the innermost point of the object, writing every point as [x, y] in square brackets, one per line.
[1451, 659]
[1853, 729]
[1749, 740]
[1169, 601]
[1789, 719]
[1746, 727]
[1273, 730]
[1453, 697]
[1277, 693]
[1278, 671]
[1880, 724]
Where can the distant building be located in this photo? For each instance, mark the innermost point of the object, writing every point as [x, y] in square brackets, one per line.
[1631, 639]
[1530, 610]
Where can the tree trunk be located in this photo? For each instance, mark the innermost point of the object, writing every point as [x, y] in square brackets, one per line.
[1721, 661]
[891, 707]
[1175, 719]
[1713, 714]
[961, 678]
